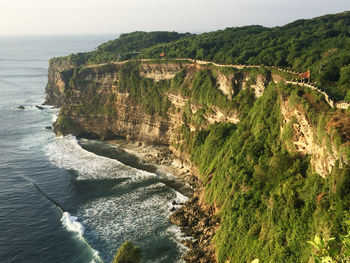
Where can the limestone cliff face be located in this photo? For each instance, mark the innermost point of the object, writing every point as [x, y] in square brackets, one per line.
[58, 80]
[95, 103]
[96, 107]
[305, 140]
[159, 71]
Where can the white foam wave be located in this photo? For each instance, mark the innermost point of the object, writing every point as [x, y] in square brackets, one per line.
[175, 233]
[71, 224]
[55, 112]
[180, 198]
[137, 214]
[141, 214]
[65, 152]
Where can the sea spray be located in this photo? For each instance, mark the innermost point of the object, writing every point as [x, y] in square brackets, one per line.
[65, 152]
[135, 205]
[71, 224]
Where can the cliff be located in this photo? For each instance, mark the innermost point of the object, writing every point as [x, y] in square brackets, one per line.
[96, 101]
[259, 143]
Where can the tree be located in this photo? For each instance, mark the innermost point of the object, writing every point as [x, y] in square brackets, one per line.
[128, 253]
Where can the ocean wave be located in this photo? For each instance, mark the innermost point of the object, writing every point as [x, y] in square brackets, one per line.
[137, 210]
[137, 215]
[65, 152]
[71, 224]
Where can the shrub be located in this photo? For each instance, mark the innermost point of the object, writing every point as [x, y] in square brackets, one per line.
[128, 253]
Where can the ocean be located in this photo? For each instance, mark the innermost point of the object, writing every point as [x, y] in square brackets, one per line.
[65, 199]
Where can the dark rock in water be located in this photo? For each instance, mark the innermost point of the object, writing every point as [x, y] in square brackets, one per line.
[174, 202]
[21, 107]
[39, 107]
[48, 128]
[172, 209]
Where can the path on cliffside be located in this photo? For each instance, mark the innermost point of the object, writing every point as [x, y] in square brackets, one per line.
[340, 104]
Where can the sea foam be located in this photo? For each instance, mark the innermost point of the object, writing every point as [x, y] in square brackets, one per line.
[138, 209]
[65, 152]
[71, 224]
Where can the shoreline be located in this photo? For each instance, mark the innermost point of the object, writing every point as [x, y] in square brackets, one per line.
[196, 222]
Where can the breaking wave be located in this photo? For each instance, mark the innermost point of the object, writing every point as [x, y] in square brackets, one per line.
[71, 224]
[65, 152]
[136, 208]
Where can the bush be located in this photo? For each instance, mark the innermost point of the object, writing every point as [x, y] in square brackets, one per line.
[128, 253]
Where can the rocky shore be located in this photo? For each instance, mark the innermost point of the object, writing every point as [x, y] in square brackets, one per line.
[196, 221]
[199, 224]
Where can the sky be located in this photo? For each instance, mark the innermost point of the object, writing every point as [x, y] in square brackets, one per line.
[41, 17]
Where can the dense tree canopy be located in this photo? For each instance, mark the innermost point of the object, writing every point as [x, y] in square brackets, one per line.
[321, 44]
[125, 47]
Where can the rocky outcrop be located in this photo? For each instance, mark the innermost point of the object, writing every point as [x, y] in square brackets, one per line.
[95, 103]
[200, 224]
[304, 138]
[259, 85]
[159, 71]
[59, 73]
[224, 83]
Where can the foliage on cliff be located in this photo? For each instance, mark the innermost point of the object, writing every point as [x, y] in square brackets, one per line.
[125, 47]
[270, 201]
[321, 44]
[128, 253]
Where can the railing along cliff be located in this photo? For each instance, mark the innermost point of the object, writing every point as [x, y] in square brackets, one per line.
[340, 104]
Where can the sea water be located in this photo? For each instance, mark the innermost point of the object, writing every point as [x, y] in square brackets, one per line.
[60, 199]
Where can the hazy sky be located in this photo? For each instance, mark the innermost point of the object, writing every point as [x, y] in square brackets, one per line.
[117, 16]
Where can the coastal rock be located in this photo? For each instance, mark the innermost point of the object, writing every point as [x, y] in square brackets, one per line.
[39, 107]
[21, 107]
[199, 224]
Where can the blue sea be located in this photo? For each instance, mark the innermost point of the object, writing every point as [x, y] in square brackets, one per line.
[65, 199]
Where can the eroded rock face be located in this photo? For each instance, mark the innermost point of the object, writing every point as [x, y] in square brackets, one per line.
[225, 85]
[96, 104]
[58, 80]
[159, 71]
[304, 139]
[260, 85]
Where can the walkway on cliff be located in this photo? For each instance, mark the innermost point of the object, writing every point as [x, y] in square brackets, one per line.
[340, 104]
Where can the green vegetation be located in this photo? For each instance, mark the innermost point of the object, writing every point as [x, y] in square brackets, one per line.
[270, 201]
[64, 121]
[321, 44]
[125, 47]
[147, 92]
[288, 133]
[327, 250]
[128, 253]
